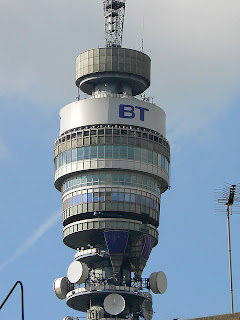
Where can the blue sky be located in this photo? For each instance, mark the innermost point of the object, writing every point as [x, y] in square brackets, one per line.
[195, 51]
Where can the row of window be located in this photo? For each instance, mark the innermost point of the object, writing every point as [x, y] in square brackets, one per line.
[87, 196]
[107, 209]
[115, 131]
[124, 179]
[109, 224]
[111, 152]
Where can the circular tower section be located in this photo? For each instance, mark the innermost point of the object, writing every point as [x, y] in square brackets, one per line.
[116, 70]
[111, 163]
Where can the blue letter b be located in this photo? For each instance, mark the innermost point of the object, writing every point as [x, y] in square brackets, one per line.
[126, 111]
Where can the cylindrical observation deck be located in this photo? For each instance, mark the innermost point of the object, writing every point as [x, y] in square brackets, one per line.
[112, 69]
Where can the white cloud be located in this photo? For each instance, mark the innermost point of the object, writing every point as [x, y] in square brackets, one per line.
[33, 238]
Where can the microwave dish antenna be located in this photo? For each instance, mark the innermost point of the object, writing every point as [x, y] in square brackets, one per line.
[158, 282]
[114, 17]
[147, 309]
[114, 304]
[77, 272]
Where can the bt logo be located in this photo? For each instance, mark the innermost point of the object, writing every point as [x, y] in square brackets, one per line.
[128, 111]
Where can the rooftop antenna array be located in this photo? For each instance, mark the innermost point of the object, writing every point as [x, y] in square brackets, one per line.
[114, 17]
[228, 202]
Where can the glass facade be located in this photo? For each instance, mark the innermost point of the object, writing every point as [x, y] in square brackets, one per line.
[123, 200]
[112, 134]
[111, 152]
[86, 196]
[121, 178]
[111, 187]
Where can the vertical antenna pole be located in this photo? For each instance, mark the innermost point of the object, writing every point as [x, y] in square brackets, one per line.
[142, 34]
[230, 258]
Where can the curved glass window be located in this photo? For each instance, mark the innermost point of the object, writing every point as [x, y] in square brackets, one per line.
[111, 152]
[109, 131]
[143, 201]
[115, 179]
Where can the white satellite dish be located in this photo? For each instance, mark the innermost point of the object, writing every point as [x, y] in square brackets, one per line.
[77, 272]
[67, 318]
[147, 310]
[114, 304]
[61, 287]
[158, 282]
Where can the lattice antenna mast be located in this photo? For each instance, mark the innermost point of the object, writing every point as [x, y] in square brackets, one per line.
[230, 196]
[114, 17]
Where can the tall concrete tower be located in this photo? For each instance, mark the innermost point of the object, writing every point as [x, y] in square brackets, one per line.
[111, 165]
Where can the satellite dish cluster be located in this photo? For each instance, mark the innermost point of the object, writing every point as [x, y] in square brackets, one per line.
[77, 274]
[114, 303]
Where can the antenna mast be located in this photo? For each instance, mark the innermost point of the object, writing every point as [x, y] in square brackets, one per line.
[229, 197]
[114, 17]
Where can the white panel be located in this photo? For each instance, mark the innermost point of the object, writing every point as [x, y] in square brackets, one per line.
[86, 164]
[101, 163]
[80, 165]
[94, 164]
[155, 170]
[112, 111]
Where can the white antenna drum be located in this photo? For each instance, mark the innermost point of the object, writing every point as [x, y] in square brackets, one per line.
[61, 287]
[147, 310]
[114, 304]
[77, 272]
[158, 282]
